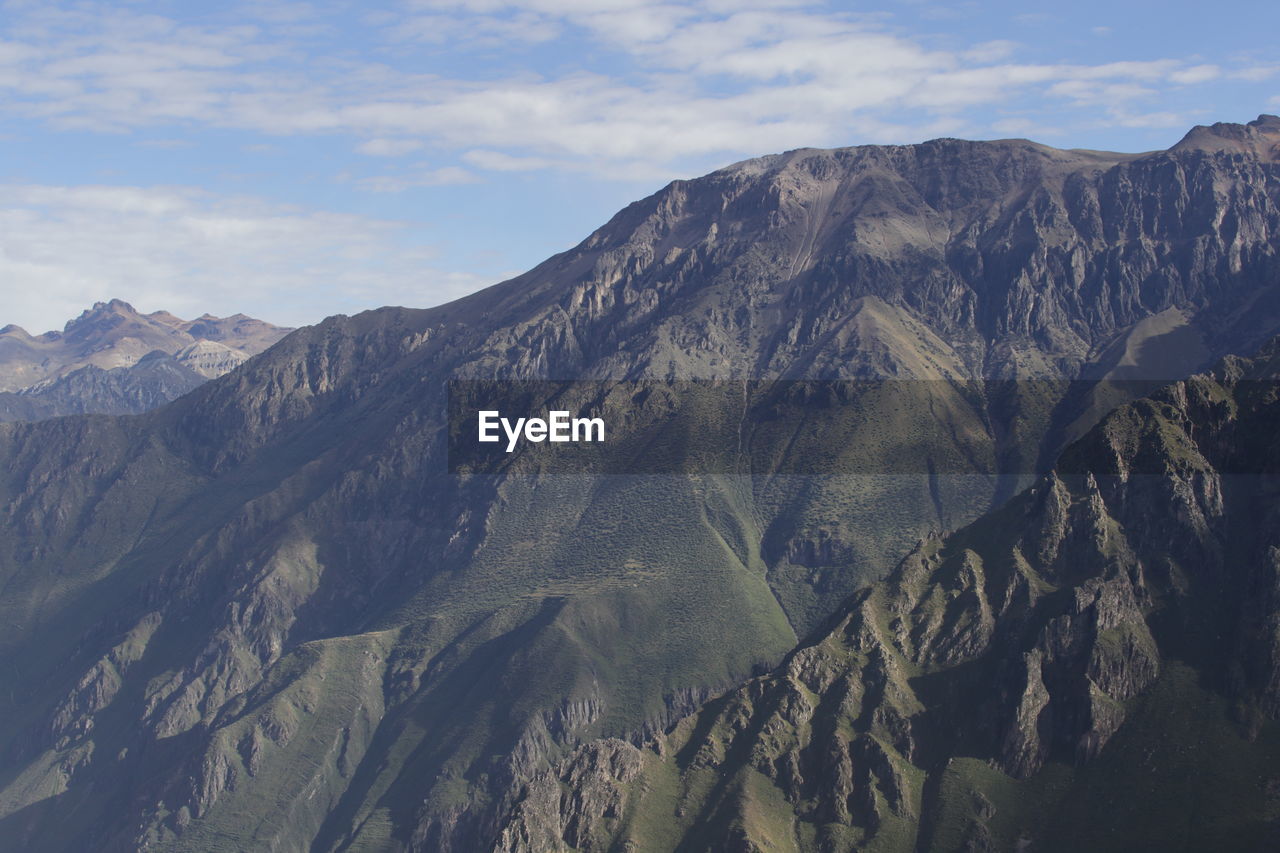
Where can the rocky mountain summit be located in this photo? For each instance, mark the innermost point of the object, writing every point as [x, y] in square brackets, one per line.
[266, 616]
[113, 360]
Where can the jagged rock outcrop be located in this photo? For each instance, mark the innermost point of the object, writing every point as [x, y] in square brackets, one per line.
[210, 359]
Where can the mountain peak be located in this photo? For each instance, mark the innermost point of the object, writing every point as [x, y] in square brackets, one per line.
[102, 310]
[1260, 137]
[117, 305]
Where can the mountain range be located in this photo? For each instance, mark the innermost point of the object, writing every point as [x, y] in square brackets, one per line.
[268, 616]
[113, 360]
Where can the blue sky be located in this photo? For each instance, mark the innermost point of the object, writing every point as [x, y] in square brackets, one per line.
[293, 160]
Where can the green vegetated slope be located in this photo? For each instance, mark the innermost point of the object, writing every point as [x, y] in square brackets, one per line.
[267, 617]
[1094, 666]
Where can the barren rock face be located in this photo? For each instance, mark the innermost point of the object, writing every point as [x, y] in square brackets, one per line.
[210, 359]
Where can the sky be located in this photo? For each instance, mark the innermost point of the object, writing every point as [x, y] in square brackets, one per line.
[293, 160]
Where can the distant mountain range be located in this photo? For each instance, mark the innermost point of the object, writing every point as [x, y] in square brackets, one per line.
[113, 360]
[267, 616]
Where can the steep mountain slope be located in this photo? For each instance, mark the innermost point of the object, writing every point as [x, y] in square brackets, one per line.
[109, 360]
[1094, 666]
[267, 616]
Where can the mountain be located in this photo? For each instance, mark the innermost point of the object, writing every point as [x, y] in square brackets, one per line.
[1093, 666]
[113, 360]
[276, 614]
[151, 381]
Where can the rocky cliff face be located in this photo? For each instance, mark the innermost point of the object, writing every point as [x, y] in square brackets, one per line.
[1129, 590]
[113, 360]
[266, 616]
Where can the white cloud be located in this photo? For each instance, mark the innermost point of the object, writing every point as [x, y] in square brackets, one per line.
[388, 147]
[1254, 73]
[188, 252]
[442, 177]
[1196, 74]
[166, 144]
[698, 79]
[1155, 119]
[991, 51]
[475, 31]
[277, 11]
[1093, 92]
[498, 162]
[1023, 127]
